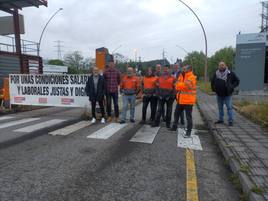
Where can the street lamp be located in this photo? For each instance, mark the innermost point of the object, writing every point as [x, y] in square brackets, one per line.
[39, 43]
[205, 37]
[116, 49]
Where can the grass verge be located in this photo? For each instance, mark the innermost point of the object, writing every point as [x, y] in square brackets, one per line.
[257, 112]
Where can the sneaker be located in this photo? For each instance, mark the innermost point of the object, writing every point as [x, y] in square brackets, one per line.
[122, 122]
[231, 124]
[219, 122]
[93, 121]
[187, 134]
[102, 120]
[155, 125]
[142, 122]
[116, 119]
[173, 128]
[109, 119]
[132, 120]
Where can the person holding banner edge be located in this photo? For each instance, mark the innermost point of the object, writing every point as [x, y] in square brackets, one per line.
[95, 90]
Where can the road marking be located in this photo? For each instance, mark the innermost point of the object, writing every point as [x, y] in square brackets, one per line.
[191, 180]
[191, 143]
[32, 128]
[18, 122]
[107, 131]
[71, 129]
[145, 134]
[5, 118]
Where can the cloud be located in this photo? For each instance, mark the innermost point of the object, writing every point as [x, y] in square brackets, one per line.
[147, 25]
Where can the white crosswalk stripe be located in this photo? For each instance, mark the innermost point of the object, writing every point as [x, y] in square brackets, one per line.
[107, 131]
[18, 122]
[6, 118]
[32, 128]
[191, 143]
[71, 129]
[146, 134]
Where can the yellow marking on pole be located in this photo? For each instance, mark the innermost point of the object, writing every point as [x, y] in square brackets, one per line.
[191, 180]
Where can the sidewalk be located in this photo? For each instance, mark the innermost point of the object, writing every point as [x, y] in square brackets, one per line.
[244, 146]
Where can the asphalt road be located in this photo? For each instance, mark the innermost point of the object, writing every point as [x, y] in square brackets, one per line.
[75, 168]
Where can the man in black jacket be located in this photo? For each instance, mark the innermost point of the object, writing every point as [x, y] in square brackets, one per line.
[223, 84]
[95, 89]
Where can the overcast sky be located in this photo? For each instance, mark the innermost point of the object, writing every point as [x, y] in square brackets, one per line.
[146, 25]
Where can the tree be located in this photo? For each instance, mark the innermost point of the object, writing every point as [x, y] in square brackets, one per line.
[197, 60]
[226, 54]
[74, 59]
[56, 62]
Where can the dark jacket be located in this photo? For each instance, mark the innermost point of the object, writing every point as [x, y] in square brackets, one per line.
[90, 89]
[225, 88]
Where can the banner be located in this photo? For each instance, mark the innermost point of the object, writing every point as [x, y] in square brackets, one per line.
[48, 90]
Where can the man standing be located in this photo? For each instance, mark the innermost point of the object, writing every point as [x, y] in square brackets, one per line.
[149, 95]
[129, 88]
[176, 73]
[112, 78]
[95, 89]
[186, 98]
[223, 83]
[165, 96]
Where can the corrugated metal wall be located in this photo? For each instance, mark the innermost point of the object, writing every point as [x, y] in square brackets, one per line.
[8, 65]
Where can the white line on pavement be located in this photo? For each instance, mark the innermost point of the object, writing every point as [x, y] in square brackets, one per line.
[18, 122]
[29, 129]
[71, 129]
[107, 131]
[145, 134]
[6, 118]
[191, 143]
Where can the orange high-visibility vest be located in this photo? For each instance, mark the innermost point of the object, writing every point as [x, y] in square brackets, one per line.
[129, 84]
[166, 83]
[149, 82]
[186, 87]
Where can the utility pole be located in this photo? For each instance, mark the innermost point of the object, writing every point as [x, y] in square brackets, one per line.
[164, 57]
[59, 48]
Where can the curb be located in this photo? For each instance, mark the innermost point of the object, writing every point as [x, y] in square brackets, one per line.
[233, 163]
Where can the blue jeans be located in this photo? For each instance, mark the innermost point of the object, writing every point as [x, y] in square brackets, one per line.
[128, 99]
[227, 100]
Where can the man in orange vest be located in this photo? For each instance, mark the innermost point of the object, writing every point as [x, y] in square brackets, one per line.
[129, 87]
[186, 98]
[166, 96]
[149, 95]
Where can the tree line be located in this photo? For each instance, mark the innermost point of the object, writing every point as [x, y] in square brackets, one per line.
[78, 64]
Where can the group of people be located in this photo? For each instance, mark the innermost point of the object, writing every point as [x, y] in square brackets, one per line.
[160, 89]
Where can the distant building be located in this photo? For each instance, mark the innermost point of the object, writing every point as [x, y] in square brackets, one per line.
[251, 63]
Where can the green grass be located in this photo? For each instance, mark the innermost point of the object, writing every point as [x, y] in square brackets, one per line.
[258, 190]
[258, 112]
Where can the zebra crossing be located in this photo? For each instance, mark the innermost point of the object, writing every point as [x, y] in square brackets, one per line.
[146, 134]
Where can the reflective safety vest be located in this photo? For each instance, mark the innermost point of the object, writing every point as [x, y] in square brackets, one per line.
[149, 85]
[186, 87]
[166, 86]
[129, 85]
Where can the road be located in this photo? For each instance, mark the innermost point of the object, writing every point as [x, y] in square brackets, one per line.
[85, 165]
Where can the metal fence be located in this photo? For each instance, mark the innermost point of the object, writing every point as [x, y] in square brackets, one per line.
[7, 44]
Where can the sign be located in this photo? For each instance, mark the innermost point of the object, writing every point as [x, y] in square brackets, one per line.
[48, 90]
[33, 66]
[7, 25]
[251, 38]
[54, 69]
[250, 61]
